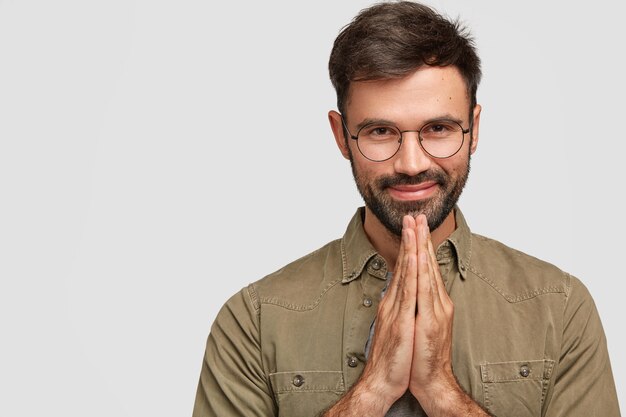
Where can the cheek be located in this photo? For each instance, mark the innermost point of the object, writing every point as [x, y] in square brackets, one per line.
[370, 171]
[457, 164]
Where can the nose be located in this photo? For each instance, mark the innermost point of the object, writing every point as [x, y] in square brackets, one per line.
[411, 158]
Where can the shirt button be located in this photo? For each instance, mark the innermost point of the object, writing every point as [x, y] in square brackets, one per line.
[462, 267]
[353, 362]
[367, 302]
[376, 264]
[298, 380]
[524, 371]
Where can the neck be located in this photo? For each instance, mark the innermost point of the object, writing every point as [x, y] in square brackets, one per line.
[387, 244]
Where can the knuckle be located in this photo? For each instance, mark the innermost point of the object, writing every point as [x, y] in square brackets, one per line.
[406, 292]
[405, 307]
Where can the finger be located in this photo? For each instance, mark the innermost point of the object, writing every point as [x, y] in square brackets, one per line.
[392, 287]
[424, 288]
[443, 293]
[439, 290]
[432, 263]
[421, 237]
[424, 284]
[432, 258]
[407, 277]
[410, 222]
[422, 230]
[443, 302]
[408, 289]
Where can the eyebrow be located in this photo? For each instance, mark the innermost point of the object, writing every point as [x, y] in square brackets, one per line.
[444, 117]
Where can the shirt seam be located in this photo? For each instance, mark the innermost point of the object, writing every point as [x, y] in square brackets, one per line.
[344, 260]
[520, 297]
[309, 372]
[568, 287]
[254, 299]
[300, 307]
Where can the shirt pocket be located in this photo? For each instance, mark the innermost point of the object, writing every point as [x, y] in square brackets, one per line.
[515, 388]
[306, 393]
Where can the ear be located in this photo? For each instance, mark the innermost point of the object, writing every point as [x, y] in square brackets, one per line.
[336, 124]
[475, 128]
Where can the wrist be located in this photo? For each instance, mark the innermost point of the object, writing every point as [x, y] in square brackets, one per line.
[445, 397]
[377, 388]
[360, 400]
[436, 384]
[437, 393]
[377, 394]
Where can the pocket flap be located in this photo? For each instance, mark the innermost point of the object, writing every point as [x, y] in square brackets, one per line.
[307, 381]
[516, 370]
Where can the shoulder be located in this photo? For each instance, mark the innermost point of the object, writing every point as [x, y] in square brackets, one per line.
[516, 275]
[301, 284]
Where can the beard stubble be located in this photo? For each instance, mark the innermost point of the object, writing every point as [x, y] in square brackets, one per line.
[390, 212]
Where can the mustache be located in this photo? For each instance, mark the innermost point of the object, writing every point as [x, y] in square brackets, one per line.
[404, 179]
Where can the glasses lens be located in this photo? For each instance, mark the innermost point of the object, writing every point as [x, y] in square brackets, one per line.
[442, 139]
[378, 142]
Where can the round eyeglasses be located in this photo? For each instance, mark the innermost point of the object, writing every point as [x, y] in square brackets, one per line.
[378, 142]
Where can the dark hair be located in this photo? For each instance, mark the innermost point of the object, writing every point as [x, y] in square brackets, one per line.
[390, 40]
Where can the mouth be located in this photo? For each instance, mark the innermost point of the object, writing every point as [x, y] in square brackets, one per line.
[413, 192]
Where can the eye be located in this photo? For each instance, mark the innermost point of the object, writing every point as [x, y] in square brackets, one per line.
[379, 132]
[440, 129]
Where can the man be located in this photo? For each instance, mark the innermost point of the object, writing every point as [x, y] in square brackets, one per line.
[409, 313]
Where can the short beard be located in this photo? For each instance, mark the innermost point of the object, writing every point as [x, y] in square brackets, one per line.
[390, 212]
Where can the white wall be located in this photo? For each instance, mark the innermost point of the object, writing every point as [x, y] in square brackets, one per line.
[156, 156]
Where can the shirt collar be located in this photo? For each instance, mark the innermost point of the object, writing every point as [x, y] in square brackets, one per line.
[357, 252]
[461, 240]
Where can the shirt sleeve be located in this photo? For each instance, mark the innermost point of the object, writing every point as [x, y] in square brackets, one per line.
[584, 383]
[232, 380]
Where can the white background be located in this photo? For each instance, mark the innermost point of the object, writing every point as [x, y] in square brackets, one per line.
[156, 156]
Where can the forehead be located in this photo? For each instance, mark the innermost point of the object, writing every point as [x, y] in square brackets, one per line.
[426, 93]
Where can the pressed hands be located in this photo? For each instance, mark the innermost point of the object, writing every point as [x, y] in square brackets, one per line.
[412, 344]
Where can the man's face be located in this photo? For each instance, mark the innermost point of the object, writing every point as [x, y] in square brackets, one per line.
[411, 182]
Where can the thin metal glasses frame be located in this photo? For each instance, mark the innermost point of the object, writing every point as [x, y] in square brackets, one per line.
[419, 135]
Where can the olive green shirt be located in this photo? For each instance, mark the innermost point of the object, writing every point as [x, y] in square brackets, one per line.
[527, 339]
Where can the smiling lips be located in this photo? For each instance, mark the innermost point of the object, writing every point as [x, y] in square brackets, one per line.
[413, 192]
